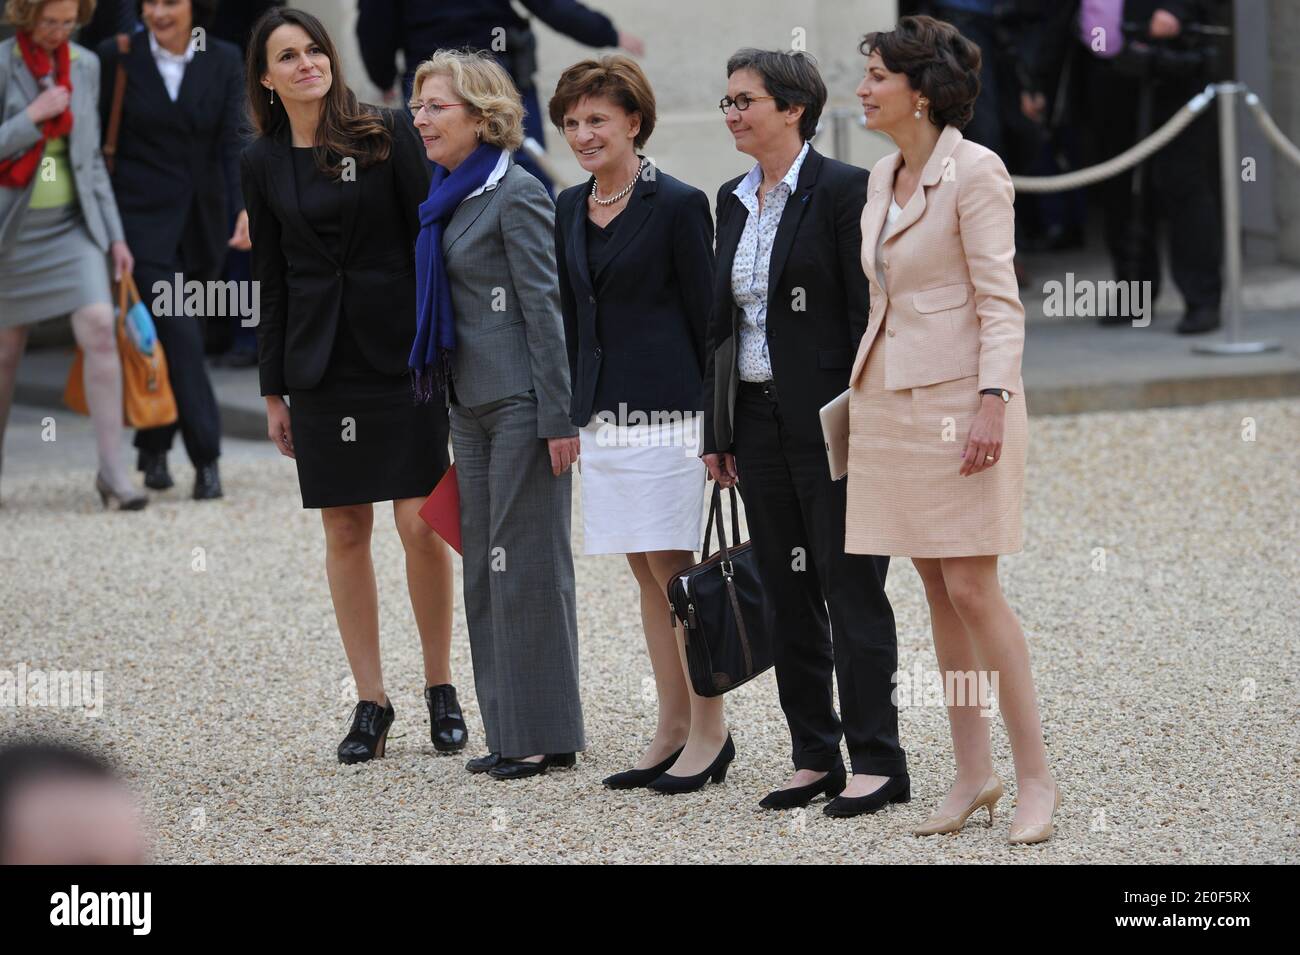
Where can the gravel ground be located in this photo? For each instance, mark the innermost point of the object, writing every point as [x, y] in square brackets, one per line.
[1168, 679]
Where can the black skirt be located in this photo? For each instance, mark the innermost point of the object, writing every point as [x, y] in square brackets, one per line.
[359, 437]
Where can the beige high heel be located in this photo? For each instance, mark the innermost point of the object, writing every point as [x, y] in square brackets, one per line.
[987, 799]
[1038, 832]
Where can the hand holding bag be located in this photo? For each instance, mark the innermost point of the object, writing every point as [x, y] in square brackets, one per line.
[720, 604]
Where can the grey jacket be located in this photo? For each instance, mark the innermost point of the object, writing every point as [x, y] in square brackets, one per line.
[499, 249]
[18, 134]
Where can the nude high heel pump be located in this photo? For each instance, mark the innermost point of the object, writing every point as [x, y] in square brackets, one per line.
[1038, 832]
[987, 799]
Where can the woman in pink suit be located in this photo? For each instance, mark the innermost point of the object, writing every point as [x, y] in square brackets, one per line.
[937, 411]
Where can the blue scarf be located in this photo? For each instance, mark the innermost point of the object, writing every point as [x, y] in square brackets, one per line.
[435, 325]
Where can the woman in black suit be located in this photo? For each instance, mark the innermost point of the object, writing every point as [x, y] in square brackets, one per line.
[790, 305]
[633, 249]
[176, 178]
[332, 190]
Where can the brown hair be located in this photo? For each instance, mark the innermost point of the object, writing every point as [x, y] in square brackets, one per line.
[346, 128]
[23, 13]
[485, 85]
[617, 77]
[939, 63]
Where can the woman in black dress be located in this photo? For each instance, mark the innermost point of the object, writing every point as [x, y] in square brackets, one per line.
[332, 190]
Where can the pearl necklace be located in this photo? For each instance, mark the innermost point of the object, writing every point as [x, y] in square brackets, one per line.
[621, 193]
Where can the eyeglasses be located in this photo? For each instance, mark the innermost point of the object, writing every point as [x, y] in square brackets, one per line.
[56, 26]
[432, 108]
[741, 102]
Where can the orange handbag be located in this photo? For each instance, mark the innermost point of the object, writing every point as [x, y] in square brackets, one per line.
[147, 398]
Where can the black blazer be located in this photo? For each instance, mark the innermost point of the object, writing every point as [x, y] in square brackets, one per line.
[817, 264]
[305, 291]
[636, 331]
[177, 171]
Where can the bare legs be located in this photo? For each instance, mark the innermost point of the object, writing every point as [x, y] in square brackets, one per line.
[429, 582]
[975, 629]
[356, 600]
[685, 719]
[13, 341]
[351, 577]
[94, 328]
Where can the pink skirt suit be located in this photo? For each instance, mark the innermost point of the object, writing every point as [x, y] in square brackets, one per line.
[946, 321]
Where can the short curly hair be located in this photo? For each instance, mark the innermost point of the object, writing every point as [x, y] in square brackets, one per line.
[938, 61]
[485, 85]
[616, 77]
[24, 13]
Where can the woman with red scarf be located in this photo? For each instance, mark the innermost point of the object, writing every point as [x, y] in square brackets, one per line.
[59, 224]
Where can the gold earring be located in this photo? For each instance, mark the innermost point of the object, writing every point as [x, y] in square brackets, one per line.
[920, 105]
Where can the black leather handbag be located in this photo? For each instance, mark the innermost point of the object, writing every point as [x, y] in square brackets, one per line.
[720, 604]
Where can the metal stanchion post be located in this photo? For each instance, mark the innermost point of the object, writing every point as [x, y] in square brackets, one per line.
[1230, 166]
[840, 134]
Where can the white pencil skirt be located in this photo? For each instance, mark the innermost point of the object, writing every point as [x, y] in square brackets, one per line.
[642, 486]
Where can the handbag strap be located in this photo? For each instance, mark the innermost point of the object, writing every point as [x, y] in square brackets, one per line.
[127, 296]
[714, 507]
[715, 513]
[119, 96]
[715, 510]
[728, 572]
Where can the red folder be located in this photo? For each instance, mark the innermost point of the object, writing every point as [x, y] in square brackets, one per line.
[441, 510]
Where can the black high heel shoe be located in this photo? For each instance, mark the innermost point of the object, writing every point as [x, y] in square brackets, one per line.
[522, 768]
[832, 784]
[895, 789]
[481, 764]
[717, 772]
[446, 722]
[636, 778]
[369, 735]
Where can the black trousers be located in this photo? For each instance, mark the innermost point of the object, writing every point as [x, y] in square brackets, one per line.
[829, 609]
[198, 419]
[1180, 186]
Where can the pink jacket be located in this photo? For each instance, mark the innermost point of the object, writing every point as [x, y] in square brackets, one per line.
[953, 303]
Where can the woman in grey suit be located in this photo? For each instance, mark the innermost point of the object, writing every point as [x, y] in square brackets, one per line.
[58, 220]
[490, 336]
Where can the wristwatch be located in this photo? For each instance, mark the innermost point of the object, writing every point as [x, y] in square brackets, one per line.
[1000, 392]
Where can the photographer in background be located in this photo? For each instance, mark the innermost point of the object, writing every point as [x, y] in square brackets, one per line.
[1139, 62]
[418, 27]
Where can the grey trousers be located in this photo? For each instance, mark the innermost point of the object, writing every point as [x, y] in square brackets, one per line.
[519, 586]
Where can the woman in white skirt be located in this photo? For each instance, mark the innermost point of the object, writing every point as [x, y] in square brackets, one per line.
[634, 247]
[58, 220]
